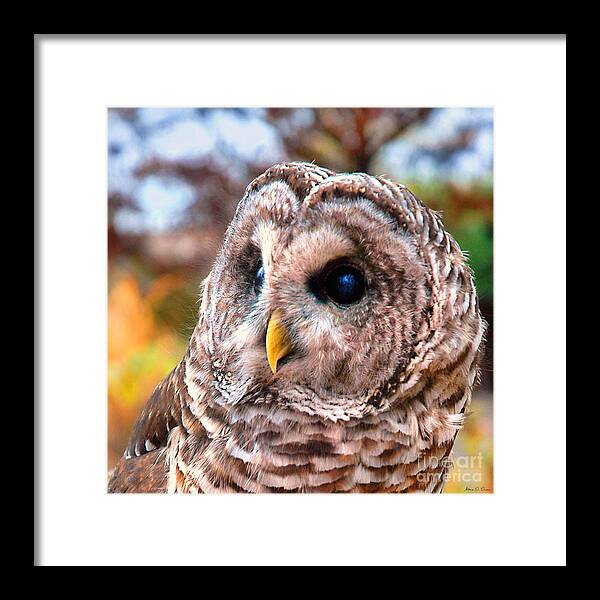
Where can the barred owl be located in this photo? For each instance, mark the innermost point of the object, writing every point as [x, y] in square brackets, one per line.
[336, 349]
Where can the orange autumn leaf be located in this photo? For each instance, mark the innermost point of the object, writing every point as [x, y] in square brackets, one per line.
[130, 320]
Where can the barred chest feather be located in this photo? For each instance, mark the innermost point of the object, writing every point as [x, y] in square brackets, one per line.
[267, 449]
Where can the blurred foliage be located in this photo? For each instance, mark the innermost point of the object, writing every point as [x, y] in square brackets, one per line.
[169, 207]
[143, 346]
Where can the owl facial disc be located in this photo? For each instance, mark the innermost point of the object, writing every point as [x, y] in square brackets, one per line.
[277, 342]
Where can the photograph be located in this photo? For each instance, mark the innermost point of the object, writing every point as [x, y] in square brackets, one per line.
[300, 300]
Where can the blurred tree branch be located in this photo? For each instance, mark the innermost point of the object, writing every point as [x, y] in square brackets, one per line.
[344, 139]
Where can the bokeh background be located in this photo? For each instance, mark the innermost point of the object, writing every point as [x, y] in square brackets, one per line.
[176, 175]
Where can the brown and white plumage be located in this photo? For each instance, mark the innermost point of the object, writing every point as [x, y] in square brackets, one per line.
[366, 396]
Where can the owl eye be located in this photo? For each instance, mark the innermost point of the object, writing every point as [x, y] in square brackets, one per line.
[344, 284]
[259, 278]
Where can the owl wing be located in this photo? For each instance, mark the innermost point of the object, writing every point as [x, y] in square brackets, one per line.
[142, 467]
[161, 413]
[140, 474]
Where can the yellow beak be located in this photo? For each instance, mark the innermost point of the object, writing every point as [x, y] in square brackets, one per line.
[278, 343]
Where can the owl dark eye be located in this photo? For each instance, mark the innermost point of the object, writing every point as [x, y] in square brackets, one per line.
[344, 284]
[259, 278]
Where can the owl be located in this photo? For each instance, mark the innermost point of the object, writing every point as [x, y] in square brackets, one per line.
[336, 349]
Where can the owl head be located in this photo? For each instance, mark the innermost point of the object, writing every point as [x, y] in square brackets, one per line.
[337, 295]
